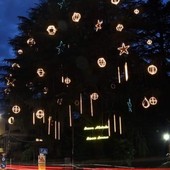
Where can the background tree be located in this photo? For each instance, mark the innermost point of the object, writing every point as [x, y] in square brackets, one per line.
[51, 73]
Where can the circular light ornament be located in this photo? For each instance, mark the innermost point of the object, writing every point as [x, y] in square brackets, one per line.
[152, 69]
[20, 51]
[40, 72]
[136, 11]
[94, 96]
[149, 42]
[119, 27]
[40, 114]
[67, 80]
[51, 29]
[16, 109]
[31, 42]
[11, 120]
[101, 62]
[153, 100]
[115, 2]
[76, 17]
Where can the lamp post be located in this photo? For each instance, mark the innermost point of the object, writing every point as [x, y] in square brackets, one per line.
[166, 137]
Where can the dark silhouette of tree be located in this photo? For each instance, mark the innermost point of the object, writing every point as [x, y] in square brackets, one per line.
[71, 54]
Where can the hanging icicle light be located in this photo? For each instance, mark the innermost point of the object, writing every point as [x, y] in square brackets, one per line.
[126, 71]
[101, 62]
[49, 125]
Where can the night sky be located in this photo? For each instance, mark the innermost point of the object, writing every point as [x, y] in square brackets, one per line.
[9, 11]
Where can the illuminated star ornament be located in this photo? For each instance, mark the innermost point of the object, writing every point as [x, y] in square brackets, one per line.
[60, 47]
[123, 49]
[98, 26]
[61, 4]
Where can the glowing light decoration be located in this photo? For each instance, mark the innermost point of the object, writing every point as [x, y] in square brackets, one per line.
[136, 11]
[40, 114]
[15, 65]
[51, 29]
[45, 90]
[129, 103]
[114, 123]
[49, 125]
[60, 47]
[31, 42]
[118, 74]
[98, 26]
[123, 49]
[7, 90]
[145, 103]
[70, 115]
[40, 72]
[67, 80]
[16, 109]
[76, 17]
[152, 69]
[20, 51]
[126, 71]
[11, 120]
[101, 62]
[81, 104]
[10, 80]
[119, 27]
[115, 2]
[94, 96]
[149, 42]
[120, 125]
[153, 100]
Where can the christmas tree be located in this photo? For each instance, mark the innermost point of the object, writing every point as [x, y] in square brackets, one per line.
[87, 73]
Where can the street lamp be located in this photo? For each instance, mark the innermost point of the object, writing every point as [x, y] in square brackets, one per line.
[166, 137]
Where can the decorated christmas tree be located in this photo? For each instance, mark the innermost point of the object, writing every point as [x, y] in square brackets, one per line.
[87, 73]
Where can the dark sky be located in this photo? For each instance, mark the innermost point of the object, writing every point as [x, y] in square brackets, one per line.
[9, 10]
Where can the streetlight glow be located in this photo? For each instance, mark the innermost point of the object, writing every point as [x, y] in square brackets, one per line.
[166, 136]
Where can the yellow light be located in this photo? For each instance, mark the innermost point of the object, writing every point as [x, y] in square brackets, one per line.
[88, 128]
[115, 2]
[119, 27]
[123, 49]
[16, 109]
[152, 69]
[76, 17]
[101, 62]
[51, 29]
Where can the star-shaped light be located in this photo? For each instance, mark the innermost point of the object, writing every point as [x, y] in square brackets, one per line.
[61, 4]
[123, 49]
[98, 26]
[60, 47]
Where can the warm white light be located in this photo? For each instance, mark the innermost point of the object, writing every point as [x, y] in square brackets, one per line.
[119, 27]
[123, 49]
[11, 120]
[40, 72]
[115, 2]
[98, 26]
[166, 136]
[16, 109]
[149, 42]
[40, 114]
[51, 29]
[94, 96]
[76, 17]
[31, 42]
[101, 62]
[136, 11]
[152, 69]
[145, 103]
